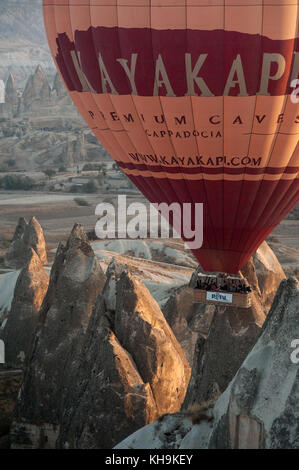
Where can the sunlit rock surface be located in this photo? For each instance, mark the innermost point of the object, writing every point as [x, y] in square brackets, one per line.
[21, 323]
[259, 408]
[75, 282]
[26, 236]
[131, 370]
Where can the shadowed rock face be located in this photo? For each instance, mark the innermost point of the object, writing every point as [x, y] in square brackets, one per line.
[75, 282]
[116, 369]
[10, 381]
[37, 89]
[59, 87]
[232, 334]
[219, 338]
[260, 407]
[264, 273]
[27, 236]
[142, 330]
[131, 369]
[187, 319]
[29, 293]
[11, 96]
[10, 106]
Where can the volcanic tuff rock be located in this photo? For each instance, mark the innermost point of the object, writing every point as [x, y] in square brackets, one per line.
[232, 334]
[27, 235]
[43, 128]
[37, 90]
[269, 274]
[131, 369]
[59, 87]
[23, 43]
[258, 410]
[260, 407]
[10, 106]
[75, 282]
[9, 386]
[11, 95]
[118, 369]
[219, 338]
[29, 293]
[188, 321]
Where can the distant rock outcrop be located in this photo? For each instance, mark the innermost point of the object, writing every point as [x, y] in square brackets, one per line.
[131, 371]
[30, 290]
[10, 105]
[75, 282]
[59, 87]
[37, 90]
[11, 95]
[74, 150]
[259, 410]
[26, 236]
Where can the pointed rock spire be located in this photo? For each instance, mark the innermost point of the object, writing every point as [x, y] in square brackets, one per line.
[29, 293]
[27, 235]
[11, 95]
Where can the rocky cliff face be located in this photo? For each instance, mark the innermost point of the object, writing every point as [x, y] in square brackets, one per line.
[131, 370]
[217, 339]
[27, 236]
[232, 334]
[42, 127]
[11, 95]
[264, 273]
[59, 87]
[23, 43]
[117, 368]
[10, 106]
[37, 90]
[29, 293]
[188, 320]
[75, 282]
[10, 381]
[259, 408]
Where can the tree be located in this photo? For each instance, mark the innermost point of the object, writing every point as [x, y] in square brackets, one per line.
[89, 187]
[10, 163]
[16, 182]
[49, 173]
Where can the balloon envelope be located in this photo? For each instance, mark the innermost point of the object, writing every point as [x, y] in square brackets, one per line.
[196, 101]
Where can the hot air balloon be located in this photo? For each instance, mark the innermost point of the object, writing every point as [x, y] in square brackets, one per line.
[195, 100]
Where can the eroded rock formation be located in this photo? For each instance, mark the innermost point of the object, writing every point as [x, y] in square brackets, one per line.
[10, 105]
[10, 381]
[59, 87]
[260, 407]
[131, 371]
[116, 369]
[75, 282]
[223, 336]
[29, 293]
[26, 236]
[11, 96]
[37, 90]
[188, 320]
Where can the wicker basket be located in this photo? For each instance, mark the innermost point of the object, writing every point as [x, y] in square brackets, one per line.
[222, 298]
